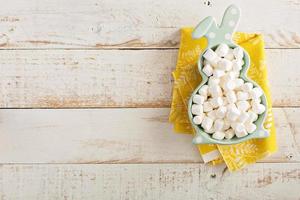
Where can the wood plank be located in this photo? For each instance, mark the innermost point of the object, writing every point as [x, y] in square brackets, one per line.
[131, 23]
[115, 78]
[149, 181]
[115, 136]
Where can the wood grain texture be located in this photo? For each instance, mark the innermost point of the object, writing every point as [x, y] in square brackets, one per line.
[115, 136]
[115, 78]
[135, 24]
[149, 181]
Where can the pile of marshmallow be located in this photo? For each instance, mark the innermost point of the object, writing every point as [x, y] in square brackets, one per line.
[226, 106]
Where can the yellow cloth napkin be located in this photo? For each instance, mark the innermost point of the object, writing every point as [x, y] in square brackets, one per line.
[187, 78]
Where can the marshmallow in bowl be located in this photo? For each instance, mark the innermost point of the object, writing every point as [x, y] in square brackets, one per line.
[226, 106]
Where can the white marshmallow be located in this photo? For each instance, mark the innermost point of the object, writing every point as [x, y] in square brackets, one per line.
[210, 55]
[243, 105]
[252, 116]
[221, 112]
[210, 131]
[207, 106]
[198, 119]
[212, 114]
[226, 124]
[213, 81]
[207, 123]
[250, 127]
[238, 53]
[216, 102]
[203, 91]
[218, 135]
[239, 82]
[231, 97]
[232, 113]
[225, 102]
[237, 65]
[218, 73]
[255, 93]
[243, 117]
[198, 99]
[247, 87]
[224, 64]
[229, 55]
[214, 63]
[218, 124]
[242, 96]
[197, 109]
[229, 134]
[229, 85]
[240, 130]
[258, 108]
[208, 70]
[215, 91]
[222, 50]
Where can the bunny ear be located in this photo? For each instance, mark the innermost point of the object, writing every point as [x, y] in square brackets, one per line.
[202, 28]
[230, 19]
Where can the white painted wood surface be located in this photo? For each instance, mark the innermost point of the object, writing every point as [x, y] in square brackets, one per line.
[149, 182]
[115, 136]
[52, 56]
[131, 23]
[114, 78]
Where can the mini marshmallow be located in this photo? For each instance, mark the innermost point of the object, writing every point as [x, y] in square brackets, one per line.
[242, 96]
[237, 65]
[238, 53]
[218, 73]
[226, 124]
[242, 133]
[198, 119]
[214, 63]
[212, 114]
[216, 102]
[230, 55]
[250, 127]
[240, 130]
[222, 50]
[207, 106]
[224, 64]
[213, 81]
[218, 135]
[255, 93]
[247, 87]
[210, 55]
[207, 123]
[221, 112]
[252, 116]
[229, 134]
[215, 91]
[210, 131]
[203, 91]
[243, 105]
[225, 102]
[232, 113]
[218, 125]
[231, 97]
[243, 117]
[258, 108]
[239, 82]
[197, 109]
[208, 70]
[229, 85]
[198, 99]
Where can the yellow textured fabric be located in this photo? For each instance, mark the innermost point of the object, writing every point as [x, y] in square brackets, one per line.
[187, 78]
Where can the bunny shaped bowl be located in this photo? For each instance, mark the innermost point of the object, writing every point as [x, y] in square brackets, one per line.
[216, 35]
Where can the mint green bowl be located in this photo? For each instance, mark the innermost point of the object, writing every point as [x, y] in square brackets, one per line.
[216, 35]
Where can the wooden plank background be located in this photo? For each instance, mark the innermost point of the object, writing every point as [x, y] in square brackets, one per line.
[107, 66]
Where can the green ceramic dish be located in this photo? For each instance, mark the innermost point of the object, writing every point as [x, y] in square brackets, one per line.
[216, 35]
